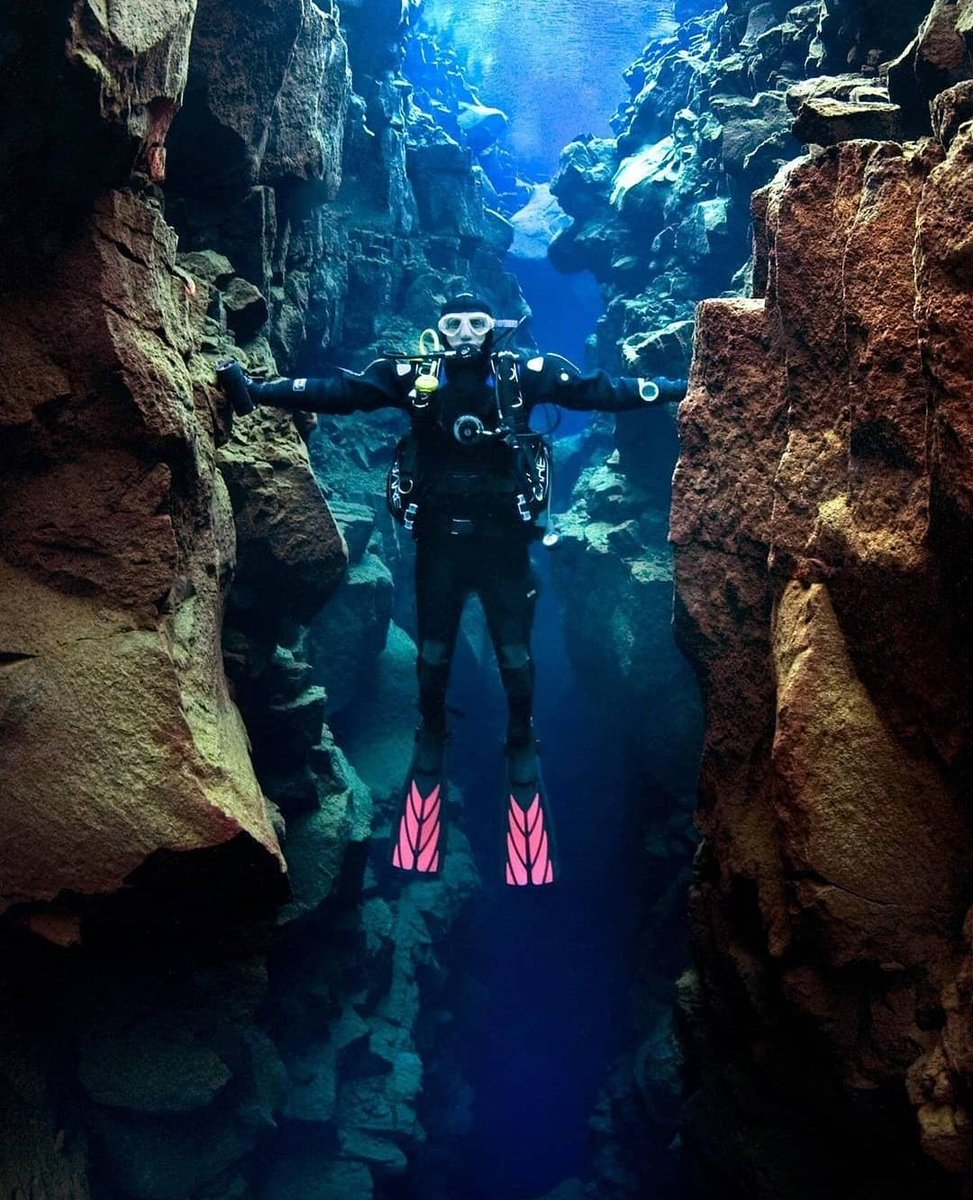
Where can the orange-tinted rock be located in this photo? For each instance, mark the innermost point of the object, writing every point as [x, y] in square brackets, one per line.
[822, 519]
[810, 205]
[944, 252]
[732, 433]
[854, 805]
[732, 430]
[292, 554]
[117, 545]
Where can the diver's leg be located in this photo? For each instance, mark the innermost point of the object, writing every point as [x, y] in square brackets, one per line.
[439, 601]
[440, 594]
[508, 589]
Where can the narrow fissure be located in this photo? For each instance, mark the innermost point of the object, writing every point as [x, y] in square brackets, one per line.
[249, 1000]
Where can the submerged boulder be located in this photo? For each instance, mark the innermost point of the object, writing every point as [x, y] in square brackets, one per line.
[537, 224]
[824, 121]
[481, 125]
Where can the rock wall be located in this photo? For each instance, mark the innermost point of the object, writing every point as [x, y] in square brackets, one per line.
[821, 520]
[229, 1024]
[121, 741]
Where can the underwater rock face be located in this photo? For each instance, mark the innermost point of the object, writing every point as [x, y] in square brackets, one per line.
[291, 553]
[821, 517]
[139, 53]
[89, 91]
[269, 84]
[146, 799]
[118, 545]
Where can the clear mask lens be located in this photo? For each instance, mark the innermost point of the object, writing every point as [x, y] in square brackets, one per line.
[455, 324]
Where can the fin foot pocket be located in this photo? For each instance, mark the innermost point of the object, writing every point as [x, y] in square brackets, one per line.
[419, 833]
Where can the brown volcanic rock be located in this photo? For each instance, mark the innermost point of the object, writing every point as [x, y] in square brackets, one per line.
[944, 251]
[938, 57]
[821, 537]
[88, 90]
[950, 110]
[266, 98]
[824, 120]
[117, 540]
[139, 53]
[939, 1082]
[810, 204]
[736, 403]
[845, 793]
[732, 434]
[292, 554]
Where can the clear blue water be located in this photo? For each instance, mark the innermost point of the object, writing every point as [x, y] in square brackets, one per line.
[554, 966]
[554, 66]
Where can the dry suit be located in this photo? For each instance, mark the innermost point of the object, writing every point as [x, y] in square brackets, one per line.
[468, 503]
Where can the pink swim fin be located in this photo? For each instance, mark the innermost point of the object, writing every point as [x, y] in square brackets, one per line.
[529, 832]
[418, 837]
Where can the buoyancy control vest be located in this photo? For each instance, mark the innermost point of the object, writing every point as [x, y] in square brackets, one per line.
[470, 468]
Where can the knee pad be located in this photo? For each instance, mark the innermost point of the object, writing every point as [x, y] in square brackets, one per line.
[514, 657]
[433, 654]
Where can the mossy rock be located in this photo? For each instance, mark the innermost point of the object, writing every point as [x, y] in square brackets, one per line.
[154, 1068]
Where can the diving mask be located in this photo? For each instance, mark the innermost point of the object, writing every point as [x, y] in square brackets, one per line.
[457, 327]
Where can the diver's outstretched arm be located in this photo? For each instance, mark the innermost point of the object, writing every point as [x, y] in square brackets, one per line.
[338, 393]
[549, 378]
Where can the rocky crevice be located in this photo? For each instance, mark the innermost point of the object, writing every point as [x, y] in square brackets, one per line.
[232, 1028]
[661, 214]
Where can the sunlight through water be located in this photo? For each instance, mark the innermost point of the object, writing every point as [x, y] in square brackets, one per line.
[555, 66]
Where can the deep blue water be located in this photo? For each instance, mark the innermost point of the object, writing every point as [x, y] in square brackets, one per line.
[554, 66]
[554, 964]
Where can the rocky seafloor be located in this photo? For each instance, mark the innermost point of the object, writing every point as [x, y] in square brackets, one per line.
[212, 988]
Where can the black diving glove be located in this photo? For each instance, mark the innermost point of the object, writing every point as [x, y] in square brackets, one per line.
[235, 383]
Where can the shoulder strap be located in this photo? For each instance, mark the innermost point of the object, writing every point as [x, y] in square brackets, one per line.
[510, 397]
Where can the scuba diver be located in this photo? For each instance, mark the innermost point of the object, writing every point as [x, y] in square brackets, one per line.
[471, 482]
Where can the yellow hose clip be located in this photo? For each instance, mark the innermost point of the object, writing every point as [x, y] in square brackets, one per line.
[427, 373]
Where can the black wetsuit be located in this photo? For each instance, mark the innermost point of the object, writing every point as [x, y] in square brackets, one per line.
[471, 535]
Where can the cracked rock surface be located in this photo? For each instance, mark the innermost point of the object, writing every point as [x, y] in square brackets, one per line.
[821, 517]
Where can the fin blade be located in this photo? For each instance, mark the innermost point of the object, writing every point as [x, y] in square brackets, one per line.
[420, 831]
[427, 854]
[529, 861]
